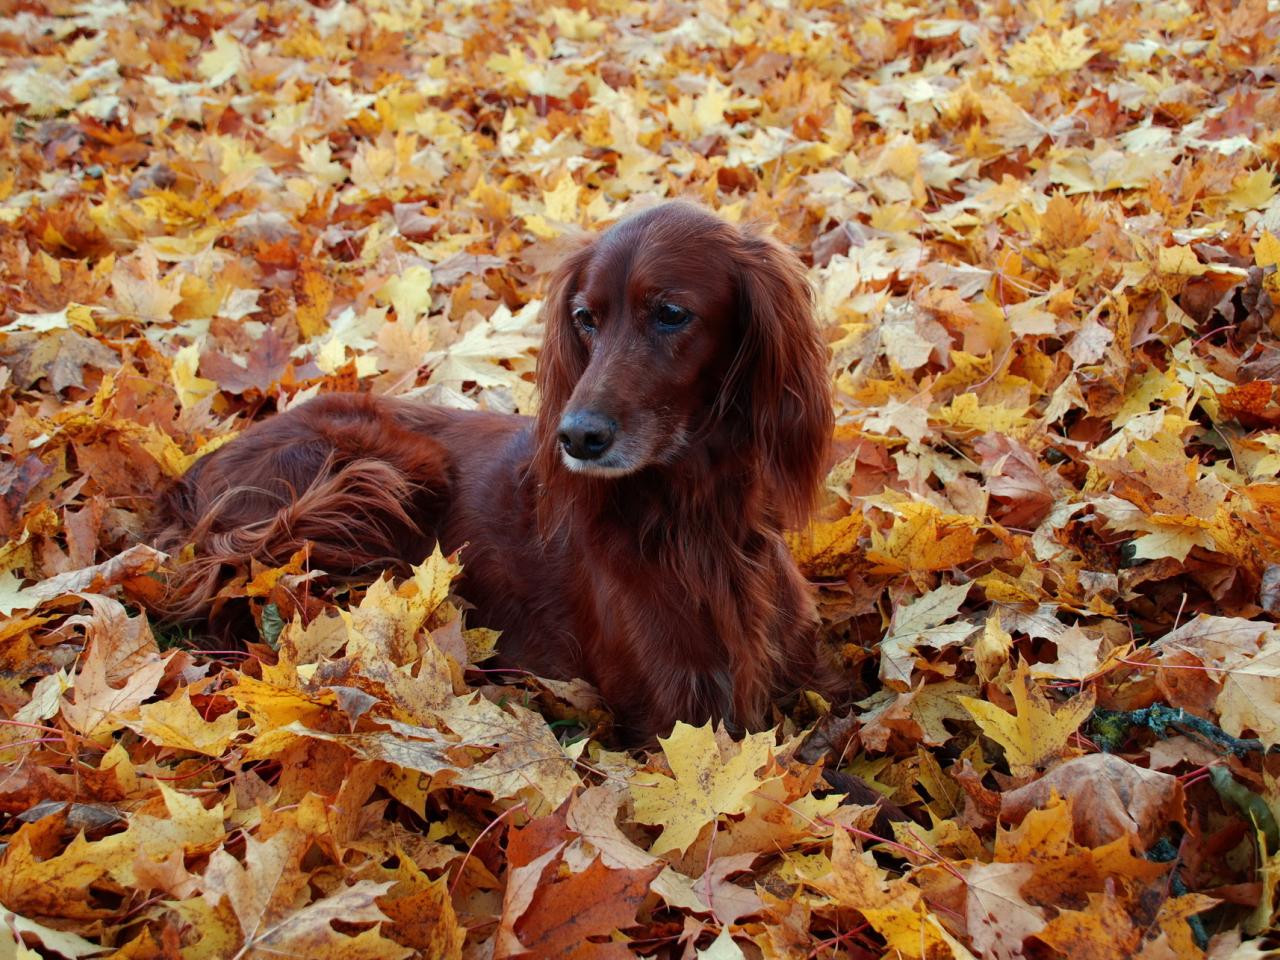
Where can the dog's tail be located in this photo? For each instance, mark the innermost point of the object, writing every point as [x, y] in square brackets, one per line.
[348, 483]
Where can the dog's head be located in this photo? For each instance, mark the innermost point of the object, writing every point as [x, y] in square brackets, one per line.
[674, 326]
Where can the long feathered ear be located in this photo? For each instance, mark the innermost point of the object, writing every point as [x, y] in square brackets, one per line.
[785, 376]
[561, 362]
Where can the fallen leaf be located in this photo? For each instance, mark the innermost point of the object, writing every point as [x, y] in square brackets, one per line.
[262, 892]
[563, 913]
[1034, 733]
[709, 779]
[999, 919]
[1111, 798]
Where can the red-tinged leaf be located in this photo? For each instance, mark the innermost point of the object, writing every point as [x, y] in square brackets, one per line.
[565, 911]
[256, 369]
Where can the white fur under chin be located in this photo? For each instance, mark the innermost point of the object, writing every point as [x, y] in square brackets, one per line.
[595, 468]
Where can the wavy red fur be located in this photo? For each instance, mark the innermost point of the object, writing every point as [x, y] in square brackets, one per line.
[648, 557]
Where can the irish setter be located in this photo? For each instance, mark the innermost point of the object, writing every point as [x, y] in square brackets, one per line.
[630, 534]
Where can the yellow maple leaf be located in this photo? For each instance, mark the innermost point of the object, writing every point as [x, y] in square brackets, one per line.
[894, 907]
[318, 164]
[827, 547]
[1266, 252]
[176, 723]
[1249, 696]
[314, 294]
[1034, 733]
[576, 24]
[139, 291]
[220, 64]
[373, 170]
[694, 117]
[966, 412]
[991, 649]
[276, 920]
[191, 387]
[561, 201]
[1002, 587]
[159, 444]
[710, 778]
[923, 538]
[1065, 224]
[1252, 190]
[409, 293]
[997, 913]
[1180, 261]
[1169, 534]
[1174, 912]
[274, 703]
[98, 707]
[1044, 834]
[433, 577]
[1105, 929]
[387, 621]
[1047, 52]
[542, 78]
[1077, 656]
[1143, 391]
[73, 314]
[527, 760]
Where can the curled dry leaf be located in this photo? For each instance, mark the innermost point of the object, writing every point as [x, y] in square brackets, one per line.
[1110, 798]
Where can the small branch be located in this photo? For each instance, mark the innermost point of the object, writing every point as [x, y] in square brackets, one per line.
[1111, 727]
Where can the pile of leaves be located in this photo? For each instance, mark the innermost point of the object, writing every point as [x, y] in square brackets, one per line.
[1044, 240]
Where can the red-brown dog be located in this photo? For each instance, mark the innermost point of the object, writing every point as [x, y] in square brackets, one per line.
[631, 533]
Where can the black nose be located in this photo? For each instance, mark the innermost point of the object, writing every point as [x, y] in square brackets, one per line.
[586, 435]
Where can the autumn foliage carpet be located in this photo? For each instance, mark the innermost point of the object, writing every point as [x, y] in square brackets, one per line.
[1044, 240]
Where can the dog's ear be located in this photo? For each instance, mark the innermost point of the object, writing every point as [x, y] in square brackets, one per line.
[785, 378]
[563, 358]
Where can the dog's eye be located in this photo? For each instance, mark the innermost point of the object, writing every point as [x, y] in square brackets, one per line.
[583, 318]
[671, 317]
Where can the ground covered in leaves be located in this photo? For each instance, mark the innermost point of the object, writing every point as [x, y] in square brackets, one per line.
[1044, 239]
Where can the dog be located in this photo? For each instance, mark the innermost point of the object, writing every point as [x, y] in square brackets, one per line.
[631, 533]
